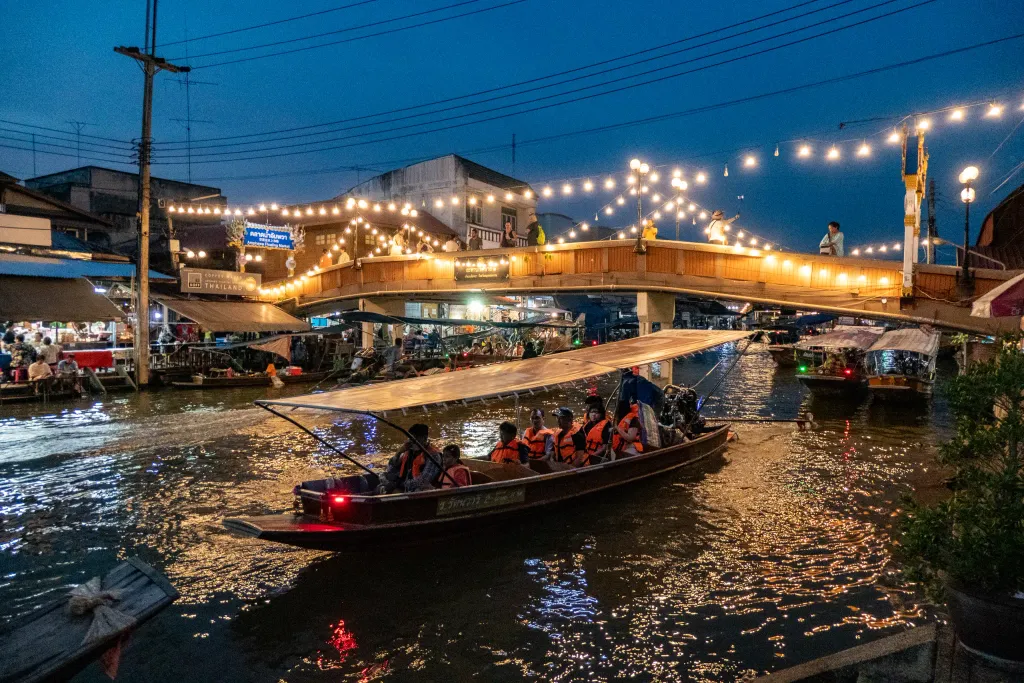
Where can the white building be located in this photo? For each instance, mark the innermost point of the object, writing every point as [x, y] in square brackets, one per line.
[460, 193]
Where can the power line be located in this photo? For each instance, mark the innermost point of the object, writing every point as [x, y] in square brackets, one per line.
[56, 146]
[67, 154]
[58, 130]
[269, 23]
[534, 80]
[369, 35]
[347, 29]
[705, 108]
[87, 146]
[556, 104]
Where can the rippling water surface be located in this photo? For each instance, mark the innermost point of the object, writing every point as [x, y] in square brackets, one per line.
[773, 554]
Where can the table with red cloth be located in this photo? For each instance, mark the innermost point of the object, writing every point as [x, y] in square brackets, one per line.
[97, 359]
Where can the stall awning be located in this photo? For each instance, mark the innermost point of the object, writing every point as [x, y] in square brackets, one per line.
[56, 299]
[505, 379]
[42, 266]
[235, 316]
[1005, 300]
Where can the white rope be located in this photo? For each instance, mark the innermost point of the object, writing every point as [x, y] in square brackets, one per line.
[106, 621]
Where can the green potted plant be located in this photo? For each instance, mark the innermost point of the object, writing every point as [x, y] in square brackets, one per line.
[968, 550]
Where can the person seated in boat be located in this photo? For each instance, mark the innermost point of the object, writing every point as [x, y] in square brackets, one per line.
[411, 469]
[539, 439]
[627, 438]
[509, 448]
[40, 374]
[455, 473]
[598, 432]
[569, 442]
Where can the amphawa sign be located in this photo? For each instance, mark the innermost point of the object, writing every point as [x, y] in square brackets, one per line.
[481, 268]
[202, 281]
[267, 237]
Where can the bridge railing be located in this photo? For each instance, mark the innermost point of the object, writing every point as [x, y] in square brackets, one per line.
[717, 268]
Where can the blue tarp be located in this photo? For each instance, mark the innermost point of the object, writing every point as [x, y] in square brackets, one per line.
[814, 319]
[38, 266]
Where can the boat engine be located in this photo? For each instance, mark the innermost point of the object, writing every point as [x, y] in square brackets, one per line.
[679, 411]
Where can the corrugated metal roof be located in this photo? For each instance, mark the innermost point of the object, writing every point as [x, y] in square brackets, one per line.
[520, 376]
[41, 266]
[234, 316]
[909, 339]
[847, 337]
[60, 299]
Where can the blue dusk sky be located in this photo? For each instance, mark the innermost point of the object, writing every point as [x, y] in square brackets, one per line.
[58, 67]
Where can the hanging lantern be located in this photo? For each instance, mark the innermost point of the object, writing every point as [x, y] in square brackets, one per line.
[726, 172]
[776, 150]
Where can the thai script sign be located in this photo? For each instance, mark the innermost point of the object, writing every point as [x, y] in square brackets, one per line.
[267, 237]
[469, 269]
[202, 281]
[455, 504]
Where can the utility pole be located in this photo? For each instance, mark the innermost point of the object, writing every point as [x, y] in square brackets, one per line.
[150, 65]
[932, 232]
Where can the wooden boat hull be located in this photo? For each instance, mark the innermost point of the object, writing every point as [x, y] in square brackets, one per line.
[888, 386]
[830, 385]
[428, 515]
[260, 381]
[46, 644]
[784, 355]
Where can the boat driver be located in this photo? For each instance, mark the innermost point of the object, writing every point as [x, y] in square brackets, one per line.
[410, 469]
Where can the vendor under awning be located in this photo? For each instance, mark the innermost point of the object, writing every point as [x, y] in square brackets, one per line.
[51, 298]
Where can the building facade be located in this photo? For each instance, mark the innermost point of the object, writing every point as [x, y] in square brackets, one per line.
[460, 193]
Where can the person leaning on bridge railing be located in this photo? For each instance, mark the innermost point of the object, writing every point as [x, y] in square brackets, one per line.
[718, 226]
[832, 243]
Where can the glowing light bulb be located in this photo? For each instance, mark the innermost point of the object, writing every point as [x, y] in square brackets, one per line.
[703, 215]
[609, 184]
[572, 234]
[567, 189]
[631, 180]
[894, 137]
[588, 186]
[924, 124]
[750, 161]
[622, 235]
[490, 199]
[701, 178]
[956, 115]
[620, 201]
[335, 211]
[439, 203]
[634, 164]
[739, 234]
[692, 207]
[584, 227]
[561, 240]
[656, 197]
[994, 111]
[644, 169]
[547, 192]
[833, 153]
[528, 194]
[273, 206]
[455, 200]
[655, 177]
[472, 202]
[323, 211]
[864, 150]
[609, 211]
[657, 215]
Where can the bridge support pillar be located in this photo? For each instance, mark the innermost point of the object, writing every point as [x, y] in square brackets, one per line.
[388, 307]
[656, 310]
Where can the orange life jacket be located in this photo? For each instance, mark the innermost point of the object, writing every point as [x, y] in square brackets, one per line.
[461, 475]
[565, 448]
[618, 443]
[594, 441]
[536, 440]
[415, 467]
[506, 453]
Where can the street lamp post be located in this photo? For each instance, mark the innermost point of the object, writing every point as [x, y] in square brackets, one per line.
[967, 176]
[640, 171]
[680, 185]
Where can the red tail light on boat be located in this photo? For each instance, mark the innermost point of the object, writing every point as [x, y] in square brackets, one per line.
[340, 500]
[847, 371]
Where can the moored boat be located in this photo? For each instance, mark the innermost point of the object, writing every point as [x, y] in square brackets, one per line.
[836, 365]
[341, 513]
[256, 380]
[902, 362]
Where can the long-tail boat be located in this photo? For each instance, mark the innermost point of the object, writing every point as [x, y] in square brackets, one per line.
[902, 362]
[340, 513]
[836, 365]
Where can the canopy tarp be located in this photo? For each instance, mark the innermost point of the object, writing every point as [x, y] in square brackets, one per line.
[1005, 300]
[235, 316]
[924, 341]
[370, 317]
[506, 379]
[54, 299]
[843, 337]
[814, 319]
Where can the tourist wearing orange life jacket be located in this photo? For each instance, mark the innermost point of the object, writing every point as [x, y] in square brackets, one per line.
[411, 469]
[598, 432]
[509, 449]
[626, 440]
[455, 473]
[569, 443]
[538, 438]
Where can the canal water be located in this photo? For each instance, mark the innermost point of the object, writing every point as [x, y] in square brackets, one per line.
[773, 554]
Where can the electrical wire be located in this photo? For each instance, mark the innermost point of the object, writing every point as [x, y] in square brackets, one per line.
[65, 154]
[571, 101]
[42, 139]
[269, 23]
[368, 35]
[57, 130]
[502, 87]
[565, 81]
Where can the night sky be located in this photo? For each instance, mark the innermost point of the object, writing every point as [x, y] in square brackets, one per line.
[58, 66]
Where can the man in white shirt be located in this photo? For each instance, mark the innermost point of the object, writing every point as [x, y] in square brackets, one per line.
[343, 257]
[451, 245]
[718, 227]
[48, 351]
[832, 243]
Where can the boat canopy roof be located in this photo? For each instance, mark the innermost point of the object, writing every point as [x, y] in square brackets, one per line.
[843, 337]
[509, 379]
[924, 341]
[354, 317]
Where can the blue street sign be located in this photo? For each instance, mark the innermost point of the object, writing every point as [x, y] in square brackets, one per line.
[268, 237]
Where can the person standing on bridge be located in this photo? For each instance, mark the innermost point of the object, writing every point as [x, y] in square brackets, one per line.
[832, 243]
[718, 226]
